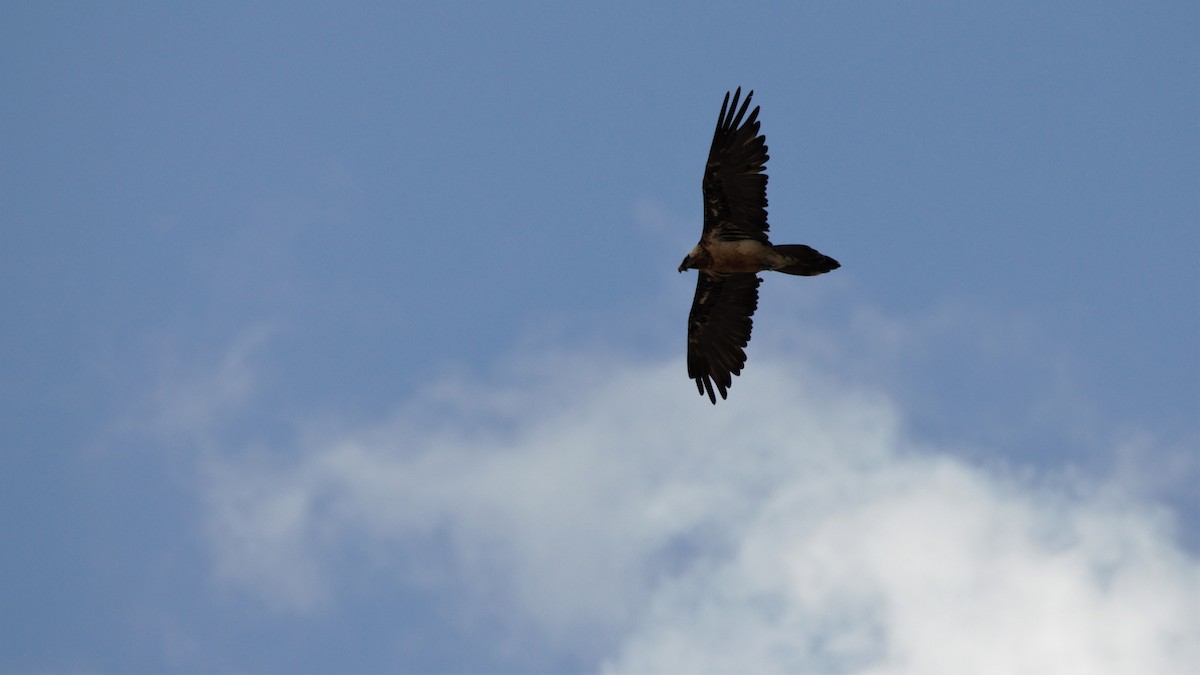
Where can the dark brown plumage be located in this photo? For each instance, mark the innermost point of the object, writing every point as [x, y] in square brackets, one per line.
[733, 248]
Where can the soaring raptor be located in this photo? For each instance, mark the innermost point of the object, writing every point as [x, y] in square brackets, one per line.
[733, 248]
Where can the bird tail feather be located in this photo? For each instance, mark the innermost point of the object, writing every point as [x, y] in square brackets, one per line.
[803, 260]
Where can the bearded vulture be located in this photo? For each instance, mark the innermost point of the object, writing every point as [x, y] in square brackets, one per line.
[733, 249]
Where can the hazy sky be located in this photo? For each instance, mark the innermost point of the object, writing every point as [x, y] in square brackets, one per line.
[348, 337]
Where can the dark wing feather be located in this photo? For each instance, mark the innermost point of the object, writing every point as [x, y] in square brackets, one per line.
[719, 329]
[735, 182]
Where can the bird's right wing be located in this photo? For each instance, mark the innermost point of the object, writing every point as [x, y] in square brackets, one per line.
[719, 329]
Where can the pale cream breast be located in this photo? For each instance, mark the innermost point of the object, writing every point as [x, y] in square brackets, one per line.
[747, 255]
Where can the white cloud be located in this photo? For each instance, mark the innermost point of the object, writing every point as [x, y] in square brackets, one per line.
[930, 567]
[606, 509]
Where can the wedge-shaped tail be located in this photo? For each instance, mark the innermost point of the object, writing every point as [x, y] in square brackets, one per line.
[803, 260]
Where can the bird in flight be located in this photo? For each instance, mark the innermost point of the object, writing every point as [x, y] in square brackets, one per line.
[733, 249]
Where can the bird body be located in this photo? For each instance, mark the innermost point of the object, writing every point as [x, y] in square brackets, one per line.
[733, 249]
[751, 256]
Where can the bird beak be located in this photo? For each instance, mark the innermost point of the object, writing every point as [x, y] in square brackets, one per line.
[684, 265]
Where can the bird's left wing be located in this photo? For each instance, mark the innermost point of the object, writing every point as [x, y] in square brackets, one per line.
[719, 329]
[735, 179]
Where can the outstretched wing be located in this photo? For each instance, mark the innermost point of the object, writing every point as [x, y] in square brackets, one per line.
[719, 329]
[735, 179]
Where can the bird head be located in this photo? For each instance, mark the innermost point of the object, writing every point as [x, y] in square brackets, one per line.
[699, 258]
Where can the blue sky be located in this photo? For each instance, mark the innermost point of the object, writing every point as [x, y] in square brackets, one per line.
[349, 337]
